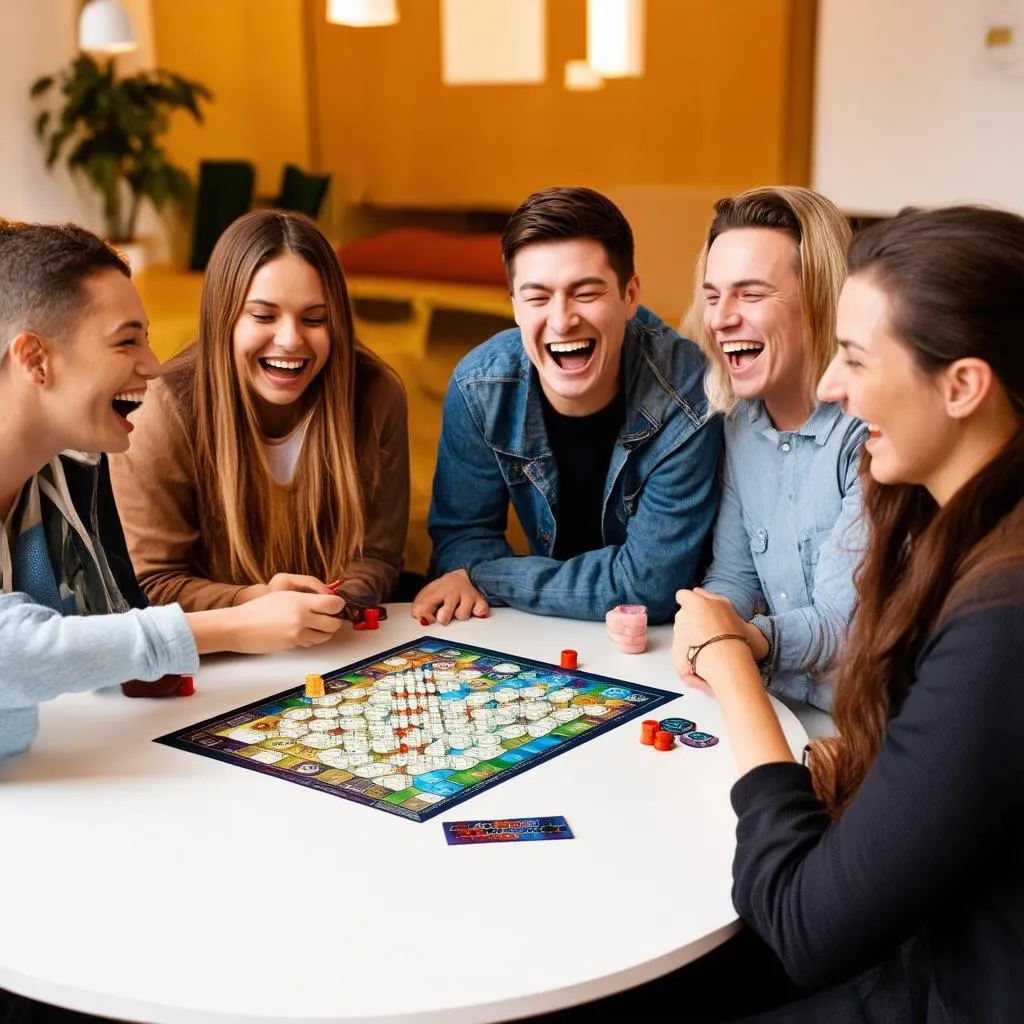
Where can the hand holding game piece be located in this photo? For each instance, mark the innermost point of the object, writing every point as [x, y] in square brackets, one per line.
[273, 622]
[627, 626]
[450, 596]
[704, 619]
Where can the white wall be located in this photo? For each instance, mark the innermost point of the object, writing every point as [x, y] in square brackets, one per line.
[36, 38]
[909, 108]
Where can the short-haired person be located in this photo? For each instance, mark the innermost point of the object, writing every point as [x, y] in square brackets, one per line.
[589, 417]
[74, 363]
[274, 453]
[785, 540]
[887, 873]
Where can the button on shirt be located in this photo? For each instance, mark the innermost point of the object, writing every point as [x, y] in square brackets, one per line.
[787, 538]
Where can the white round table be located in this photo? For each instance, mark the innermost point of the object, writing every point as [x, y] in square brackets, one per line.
[151, 884]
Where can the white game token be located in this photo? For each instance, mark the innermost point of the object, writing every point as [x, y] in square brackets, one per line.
[297, 714]
[567, 714]
[535, 710]
[506, 695]
[395, 782]
[294, 731]
[384, 746]
[506, 668]
[512, 732]
[561, 696]
[357, 759]
[459, 741]
[321, 740]
[462, 761]
[470, 673]
[333, 758]
[505, 716]
[328, 700]
[418, 765]
[396, 662]
[475, 700]
[435, 749]
[325, 712]
[355, 693]
[596, 710]
[532, 692]
[437, 763]
[541, 728]
[323, 724]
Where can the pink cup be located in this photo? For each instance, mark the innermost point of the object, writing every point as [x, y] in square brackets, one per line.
[627, 627]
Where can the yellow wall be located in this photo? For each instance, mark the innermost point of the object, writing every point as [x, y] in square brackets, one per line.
[251, 55]
[723, 103]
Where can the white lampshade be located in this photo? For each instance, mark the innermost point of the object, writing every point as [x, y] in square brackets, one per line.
[615, 37]
[493, 42]
[105, 26]
[362, 13]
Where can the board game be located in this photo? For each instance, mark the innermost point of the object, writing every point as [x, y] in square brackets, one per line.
[421, 727]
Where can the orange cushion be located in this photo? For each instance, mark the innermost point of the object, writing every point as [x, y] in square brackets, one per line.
[427, 255]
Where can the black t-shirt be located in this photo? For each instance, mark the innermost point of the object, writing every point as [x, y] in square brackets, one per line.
[582, 446]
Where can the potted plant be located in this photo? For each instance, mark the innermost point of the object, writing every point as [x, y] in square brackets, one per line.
[111, 129]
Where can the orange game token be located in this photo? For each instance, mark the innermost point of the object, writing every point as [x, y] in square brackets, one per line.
[648, 730]
[664, 740]
[570, 659]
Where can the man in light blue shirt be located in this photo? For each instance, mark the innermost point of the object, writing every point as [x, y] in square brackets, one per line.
[786, 538]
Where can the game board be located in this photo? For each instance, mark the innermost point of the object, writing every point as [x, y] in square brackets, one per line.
[419, 728]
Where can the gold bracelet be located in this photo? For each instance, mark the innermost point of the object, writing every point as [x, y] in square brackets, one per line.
[691, 654]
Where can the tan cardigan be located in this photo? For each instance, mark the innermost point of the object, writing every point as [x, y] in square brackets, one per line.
[172, 540]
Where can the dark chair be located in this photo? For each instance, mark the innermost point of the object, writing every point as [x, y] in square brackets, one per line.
[224, 194]
[302, 192]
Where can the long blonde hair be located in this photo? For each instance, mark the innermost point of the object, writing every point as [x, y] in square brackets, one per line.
[822, 234]
[321, 528]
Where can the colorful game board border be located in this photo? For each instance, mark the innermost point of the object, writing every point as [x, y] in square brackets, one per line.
[201, 738]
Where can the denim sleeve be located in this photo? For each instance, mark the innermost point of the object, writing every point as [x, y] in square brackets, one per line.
[808, 639]
[661, 553]
[469, 507]
[44, 654]
[732, 572]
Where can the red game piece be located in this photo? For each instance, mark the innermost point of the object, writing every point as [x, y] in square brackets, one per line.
[424, 621]
[186, 687]
[664, 740]
[569, 659]
[372, 618]
[648, 728]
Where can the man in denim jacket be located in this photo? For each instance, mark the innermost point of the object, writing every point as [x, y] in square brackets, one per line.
[590, 418]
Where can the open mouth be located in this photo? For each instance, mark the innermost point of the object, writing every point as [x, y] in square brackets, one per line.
[572, 355]
[283, 369]
[874, 432]
[126, 402]
[740, 354]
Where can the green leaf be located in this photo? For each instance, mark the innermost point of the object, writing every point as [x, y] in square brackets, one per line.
[40, 85]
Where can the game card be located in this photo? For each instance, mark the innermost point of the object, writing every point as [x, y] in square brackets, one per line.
[505, 830]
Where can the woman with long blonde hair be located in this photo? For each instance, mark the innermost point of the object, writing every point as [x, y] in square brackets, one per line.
[887, 872]
[273, 454]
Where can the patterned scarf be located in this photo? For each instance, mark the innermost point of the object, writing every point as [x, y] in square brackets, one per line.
[48, 553]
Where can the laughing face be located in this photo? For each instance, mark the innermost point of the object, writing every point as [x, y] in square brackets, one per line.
[281, 340]
[752, 309]
[97, 380]
[572, 313]
[877, 379]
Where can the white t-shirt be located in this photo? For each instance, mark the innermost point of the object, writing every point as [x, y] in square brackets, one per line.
[283, 453]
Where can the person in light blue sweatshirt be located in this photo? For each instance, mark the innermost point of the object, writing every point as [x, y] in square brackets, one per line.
[74, 362]
[787, 538]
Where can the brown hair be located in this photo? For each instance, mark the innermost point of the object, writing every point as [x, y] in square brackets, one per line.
[562, 214]
[43, 270]
[821, 233]
[953, 278]
[323, 528]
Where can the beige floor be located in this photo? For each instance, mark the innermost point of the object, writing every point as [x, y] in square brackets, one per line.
[171, 299]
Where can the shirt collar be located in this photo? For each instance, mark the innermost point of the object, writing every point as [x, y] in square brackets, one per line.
[819, 425]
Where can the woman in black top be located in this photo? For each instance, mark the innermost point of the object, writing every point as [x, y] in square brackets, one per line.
[888, 874]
